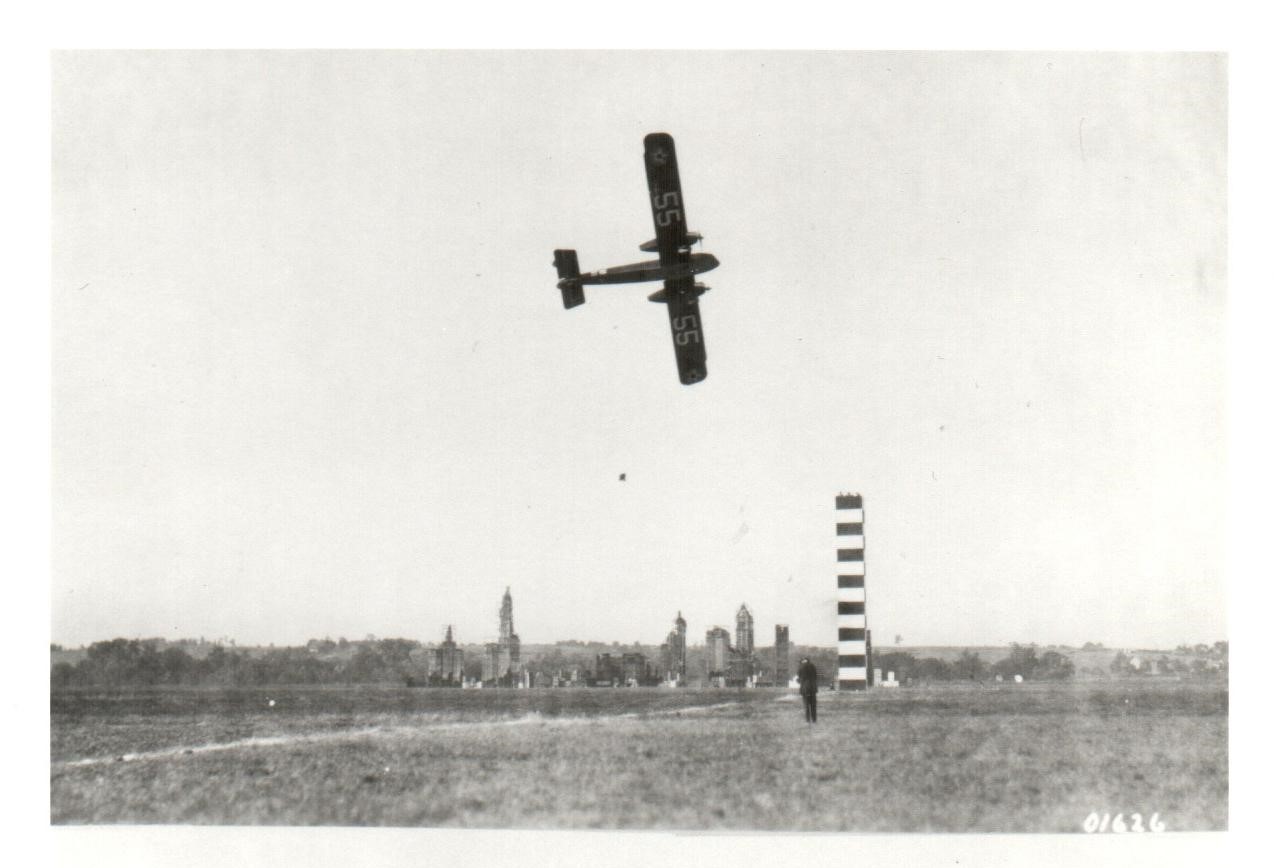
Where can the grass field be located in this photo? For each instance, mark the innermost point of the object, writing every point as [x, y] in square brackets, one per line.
[957, 758]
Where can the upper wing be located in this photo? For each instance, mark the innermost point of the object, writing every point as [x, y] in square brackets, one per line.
[687, 329]
[665, 197]
[672, 242]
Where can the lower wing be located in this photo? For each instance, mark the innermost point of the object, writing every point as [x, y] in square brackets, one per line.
[682, 299]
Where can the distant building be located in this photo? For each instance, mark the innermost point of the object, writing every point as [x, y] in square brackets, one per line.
[502, 662]
[490, 662]
[740, 666]
[851, 594]
[607, 671]
[782, 655]
[740, 670]
[447, 663]
[508, 638]
[744, 640]
[634, 670]
[672, 653]
[717, 646]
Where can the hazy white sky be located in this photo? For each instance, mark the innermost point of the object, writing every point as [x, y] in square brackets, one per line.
[312, 375]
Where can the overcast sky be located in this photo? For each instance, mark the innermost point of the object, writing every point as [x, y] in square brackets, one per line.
[311, 375]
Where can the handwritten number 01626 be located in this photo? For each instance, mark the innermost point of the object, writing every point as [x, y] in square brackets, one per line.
[1096, 822]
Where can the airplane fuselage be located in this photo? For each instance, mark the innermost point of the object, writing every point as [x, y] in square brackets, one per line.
[638, 272]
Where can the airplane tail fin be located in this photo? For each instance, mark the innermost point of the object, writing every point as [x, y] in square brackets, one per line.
[567, 265]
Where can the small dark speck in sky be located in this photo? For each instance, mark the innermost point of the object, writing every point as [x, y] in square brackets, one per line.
[623, 476]
[942, 427]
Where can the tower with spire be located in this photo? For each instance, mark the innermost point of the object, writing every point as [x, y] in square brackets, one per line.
[679, 649]
[503, 662]
[448, 662]
[506, 617]
[672, 653]
[744, 637]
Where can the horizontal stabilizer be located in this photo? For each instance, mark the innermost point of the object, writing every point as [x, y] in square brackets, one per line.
[567, 265]
[572, 293]
[652, 246]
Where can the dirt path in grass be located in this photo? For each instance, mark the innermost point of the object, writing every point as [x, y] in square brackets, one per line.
[387, 732]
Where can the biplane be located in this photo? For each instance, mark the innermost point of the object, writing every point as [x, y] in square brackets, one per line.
[677, 265]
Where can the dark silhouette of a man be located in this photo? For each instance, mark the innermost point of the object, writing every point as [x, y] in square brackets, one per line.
[807, 675]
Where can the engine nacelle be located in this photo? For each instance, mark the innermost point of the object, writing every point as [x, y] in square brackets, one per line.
[661, 297]
[652, 246]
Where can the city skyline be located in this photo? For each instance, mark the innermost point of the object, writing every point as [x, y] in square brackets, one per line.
[311, 375]
[484, 639]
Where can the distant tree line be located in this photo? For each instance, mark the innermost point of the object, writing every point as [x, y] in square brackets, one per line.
[150, 662]
[1161, 664]
[969, 666]
[143, 662]
[1219, 650]
[1051, 665]
[134, 662]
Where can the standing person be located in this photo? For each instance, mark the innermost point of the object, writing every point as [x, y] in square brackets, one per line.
[807, 674]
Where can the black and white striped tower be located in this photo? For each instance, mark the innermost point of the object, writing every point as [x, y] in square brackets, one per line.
[851, 594]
